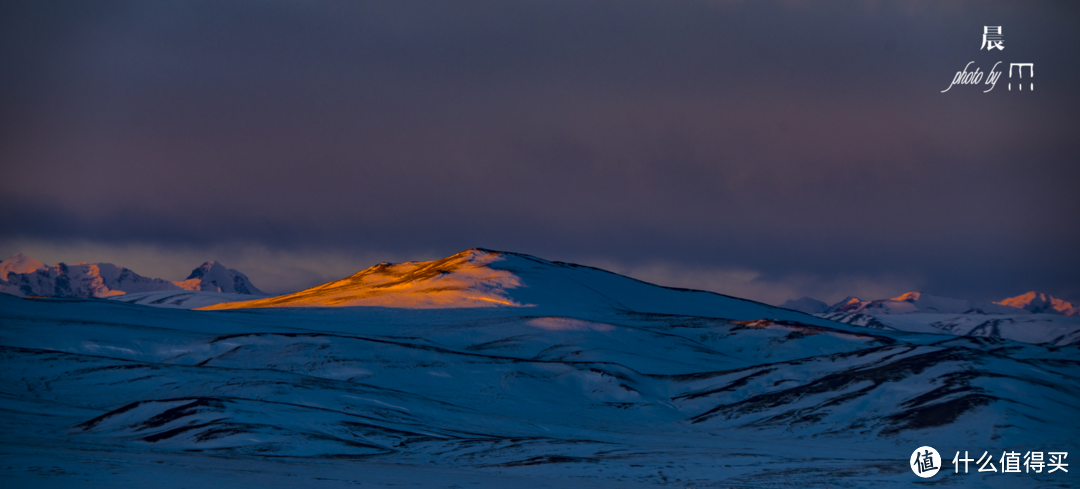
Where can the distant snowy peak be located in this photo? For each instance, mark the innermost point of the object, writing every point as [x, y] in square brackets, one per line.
[908, 297]
[81, 280]
[807, 305]
[25, 276]
[19, 263]
[918, 302]
[212, 276]
[1040, 303]
[1031, 318]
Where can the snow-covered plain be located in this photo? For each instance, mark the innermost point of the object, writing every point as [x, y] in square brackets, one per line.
[576, 378]
[177, 299]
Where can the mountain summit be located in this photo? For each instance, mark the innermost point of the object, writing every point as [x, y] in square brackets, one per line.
[1031, 318]
[1040, 303]
[466, 279]
[80, 280]
[918, 302]
[806, 304]
[23, 276]
[923, 303]
[215, 277]
[19, 263]
[483, 278]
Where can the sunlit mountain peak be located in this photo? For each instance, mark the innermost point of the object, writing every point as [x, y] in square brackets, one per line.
[907, 296]
[19, 263]
[1040, 303]
[465, 279]
[479, 277]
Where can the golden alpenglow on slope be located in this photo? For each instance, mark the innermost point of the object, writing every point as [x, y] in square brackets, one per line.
[460, 280]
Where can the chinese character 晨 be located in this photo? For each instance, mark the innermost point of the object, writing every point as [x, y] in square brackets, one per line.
[992, 38]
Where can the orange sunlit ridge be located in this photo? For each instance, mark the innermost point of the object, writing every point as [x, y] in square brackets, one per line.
[461, 280]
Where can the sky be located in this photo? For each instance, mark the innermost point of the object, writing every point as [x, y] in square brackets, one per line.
[768, 150]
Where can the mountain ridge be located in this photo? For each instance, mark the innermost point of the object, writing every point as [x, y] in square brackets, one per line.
[1032, 302]
[107, 280]
[480, 277]
[1038, 302]
[19, 263]
[1031, 318]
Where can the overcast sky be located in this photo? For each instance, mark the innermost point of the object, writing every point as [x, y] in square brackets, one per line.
[761, 149]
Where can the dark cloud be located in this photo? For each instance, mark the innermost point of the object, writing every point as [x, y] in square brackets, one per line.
[781, 137]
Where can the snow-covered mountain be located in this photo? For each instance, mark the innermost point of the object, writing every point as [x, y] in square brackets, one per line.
[1040, 303]
[215, 277]
[1031, 318]
[913, 302]
[19, 263]
[81, 280]
[918, 302]
[568, 376]
[29, 277]
[806, 305]
[484, 278]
